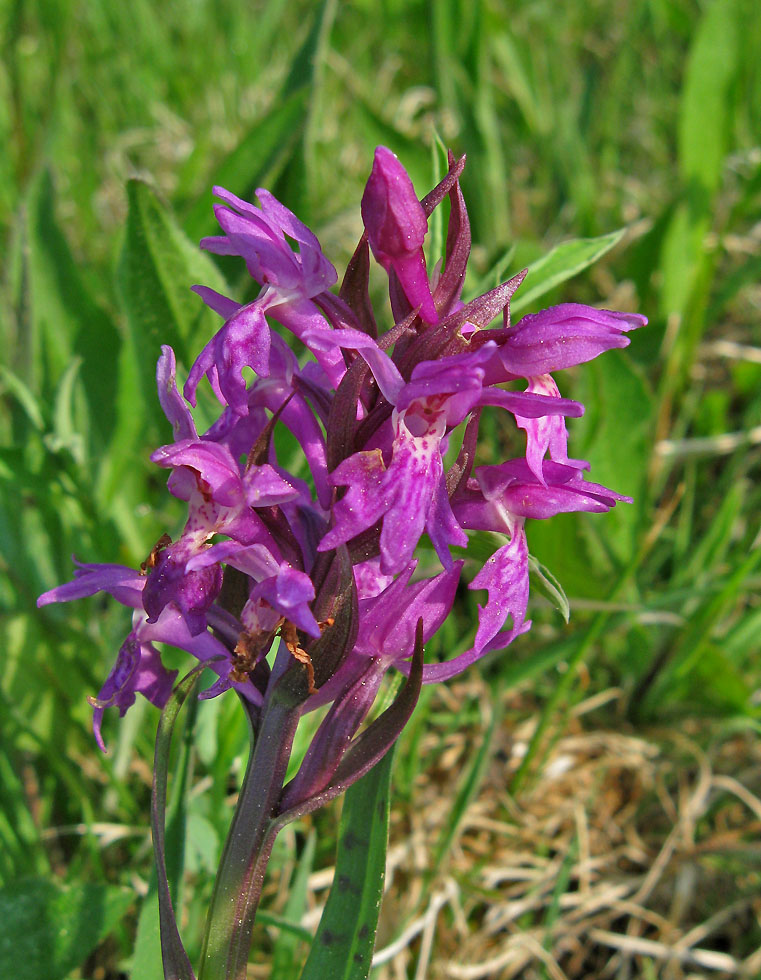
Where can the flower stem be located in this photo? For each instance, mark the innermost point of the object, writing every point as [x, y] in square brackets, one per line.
[238, 885]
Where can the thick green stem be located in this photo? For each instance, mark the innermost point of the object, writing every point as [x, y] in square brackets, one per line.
[238, 886]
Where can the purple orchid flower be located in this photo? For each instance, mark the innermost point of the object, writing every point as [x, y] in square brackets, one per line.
[295, 578]
[410, 494]
[563, 336]
[501, 498]
[290, 281]
[221, 500]
[321, 557]
[386, 638]
[259, 236]
[545, 432]
[138, 668]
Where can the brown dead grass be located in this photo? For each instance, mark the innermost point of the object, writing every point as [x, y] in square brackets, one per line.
[629, 855]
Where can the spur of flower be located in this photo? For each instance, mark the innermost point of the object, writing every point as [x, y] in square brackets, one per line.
[309, 584]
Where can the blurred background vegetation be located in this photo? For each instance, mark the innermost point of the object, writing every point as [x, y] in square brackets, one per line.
[578, 120]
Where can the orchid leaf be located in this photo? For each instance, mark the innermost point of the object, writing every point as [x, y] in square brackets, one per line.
[158, 265]
[343, 946]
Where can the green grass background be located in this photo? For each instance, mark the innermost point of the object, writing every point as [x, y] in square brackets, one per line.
[578, 119]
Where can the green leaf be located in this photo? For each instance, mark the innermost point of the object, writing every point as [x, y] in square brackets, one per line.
[469, 786]
[514, 68]
[708, 553]
[157, 268]
[703, 140]
[493, 200]
[615, 435]
[146, 959]
[21, 393]
[307, 74]
[343, 946]
[564, 261]
[561, 888]
[706, 106]
[307, 61]
[22, 852]
[563, 544]
[63, 318]
[65, 434]
[682, 258]
[683, 669]
[258, 159]
[202, 845]
[49, 930]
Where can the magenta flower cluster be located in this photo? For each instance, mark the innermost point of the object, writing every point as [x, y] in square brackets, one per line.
[325, 567]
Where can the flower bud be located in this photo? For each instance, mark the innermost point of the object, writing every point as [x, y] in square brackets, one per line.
[395, 221]
[396, 228]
